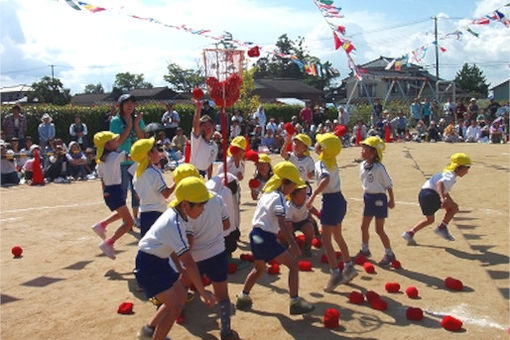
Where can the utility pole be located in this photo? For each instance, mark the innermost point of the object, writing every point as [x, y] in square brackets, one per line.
[437, 50]
[52, 84]
[52, 72]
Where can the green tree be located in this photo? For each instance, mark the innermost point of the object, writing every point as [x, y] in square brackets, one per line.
[91, 88]
[49, 90]
[472, 80]
[126, 82]
[183, 79]
[247, 102]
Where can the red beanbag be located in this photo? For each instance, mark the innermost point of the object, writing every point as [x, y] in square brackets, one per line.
[324, 258]
[450, 323]
[300, 240]
[341, 265]
[453, 284]
[340, 130]
[331, 318]
[254, 183]
[356, 298]
[371, 295]
[247, 257]
[379, 304]
[232, 268]
[289, 128]
[252, 155]
[198, 93]
[415, 314]
[392, 287]
[338, 254]
[273, 261]
[359, 260]
[396, 264]
[17, 251]
[317, 243]
[125, 308]
[274, 269]
[305, 266]
[369, 268]
[412, 292]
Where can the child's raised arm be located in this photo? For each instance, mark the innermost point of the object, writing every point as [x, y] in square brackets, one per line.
[196, 118]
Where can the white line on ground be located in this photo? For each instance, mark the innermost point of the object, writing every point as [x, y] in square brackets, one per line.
[461, 313]
[52, 207]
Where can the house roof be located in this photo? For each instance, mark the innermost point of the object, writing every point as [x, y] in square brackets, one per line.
[501, 84]
[286, 86]
[16, 88]
[90, 98]
[149, 92]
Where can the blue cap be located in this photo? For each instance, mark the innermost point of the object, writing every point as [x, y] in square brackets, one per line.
[124, 97]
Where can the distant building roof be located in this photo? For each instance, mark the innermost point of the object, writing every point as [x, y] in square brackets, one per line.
[16, 88]
[90, 98]
[501, 84]
[270, 89]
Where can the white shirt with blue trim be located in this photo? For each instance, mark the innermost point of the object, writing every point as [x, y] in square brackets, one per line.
[322, 171]
[270, 206]
[149, 186]
[374, 178]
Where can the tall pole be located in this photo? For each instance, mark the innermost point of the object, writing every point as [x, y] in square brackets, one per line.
[437, 47]
[52, 72]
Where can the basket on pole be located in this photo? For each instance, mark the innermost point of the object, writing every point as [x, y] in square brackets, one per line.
[223, 73]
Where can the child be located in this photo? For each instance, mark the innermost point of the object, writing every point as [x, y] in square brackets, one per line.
[375, 181]
[153, 271]
[300, 156]
[298, 218]
[28, 167]
[235, 159]
[77, 161]
[268, 219]
[108, 169]
[263, 173]
[434, 194]
[203, 149]
[149, 183]
[334, 206]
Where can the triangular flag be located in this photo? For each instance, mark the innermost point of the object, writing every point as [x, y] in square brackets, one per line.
[338, 42]
[390, 65]
[348, 47]
[442, 49]
[341, 29]
[472, 32]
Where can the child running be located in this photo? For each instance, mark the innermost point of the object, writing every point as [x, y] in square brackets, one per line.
[435, 194]
[375, 182]
[268, 219]
[108, 169]
[149, 183]
[334, 207]
[153, 271]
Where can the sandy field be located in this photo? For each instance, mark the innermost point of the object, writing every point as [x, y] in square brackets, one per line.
[64, 288]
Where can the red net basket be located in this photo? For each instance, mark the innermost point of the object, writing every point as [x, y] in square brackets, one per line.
[223, 75]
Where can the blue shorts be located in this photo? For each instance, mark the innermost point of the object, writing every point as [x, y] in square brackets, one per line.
[154, 274]
[215, 267]
[264, 245]
[115, 198]
[298, 225]
[334, 207]
[375, 205]
[147, 219]
[430, 202]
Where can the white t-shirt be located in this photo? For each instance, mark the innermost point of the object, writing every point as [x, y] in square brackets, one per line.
[270, 206]
[109, 169]
[296, 213]
[322, 171]
[166, 235]
[448, 179]
[374, 180]
[149, 186]
[304, 164]
[203, 153]
[232, 168]
[170, 119]
[231, 201]
[207, 230]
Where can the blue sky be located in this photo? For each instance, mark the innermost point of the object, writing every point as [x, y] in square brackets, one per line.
[90, 48]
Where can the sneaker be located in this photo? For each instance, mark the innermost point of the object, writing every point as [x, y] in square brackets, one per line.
[300, 306]
[444, 233]
[137, 222]
[335, 279]
[107, 249]
[230, 336]
[243, 302]
[99, 230]
[349, 273]
[387, 259]
[307, 250]
[409, 238]
[364, 253]
[145, 332]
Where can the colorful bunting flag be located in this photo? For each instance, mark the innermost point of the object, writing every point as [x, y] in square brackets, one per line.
[481, 21]
[91, 8]
[476, 34]
[338, 42]
[73, 5]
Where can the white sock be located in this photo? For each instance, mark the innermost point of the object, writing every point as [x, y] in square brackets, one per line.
[388, 251]
[364, 247]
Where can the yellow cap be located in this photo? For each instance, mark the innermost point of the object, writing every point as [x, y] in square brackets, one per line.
[239, 142]
[456, 160]
[183, 171]
[264, 158]
[139, 153]
[331, 147]
[100, 139]
[377, 143]
[190, 189]
[283, 170]
[306, 140]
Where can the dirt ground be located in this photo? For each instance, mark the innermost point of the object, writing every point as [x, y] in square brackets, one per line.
[64, 288]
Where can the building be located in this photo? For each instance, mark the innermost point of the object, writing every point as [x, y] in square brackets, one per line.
[269, 90]
[501, 92]
[154, 94]
[14, 94]
[405, 84]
